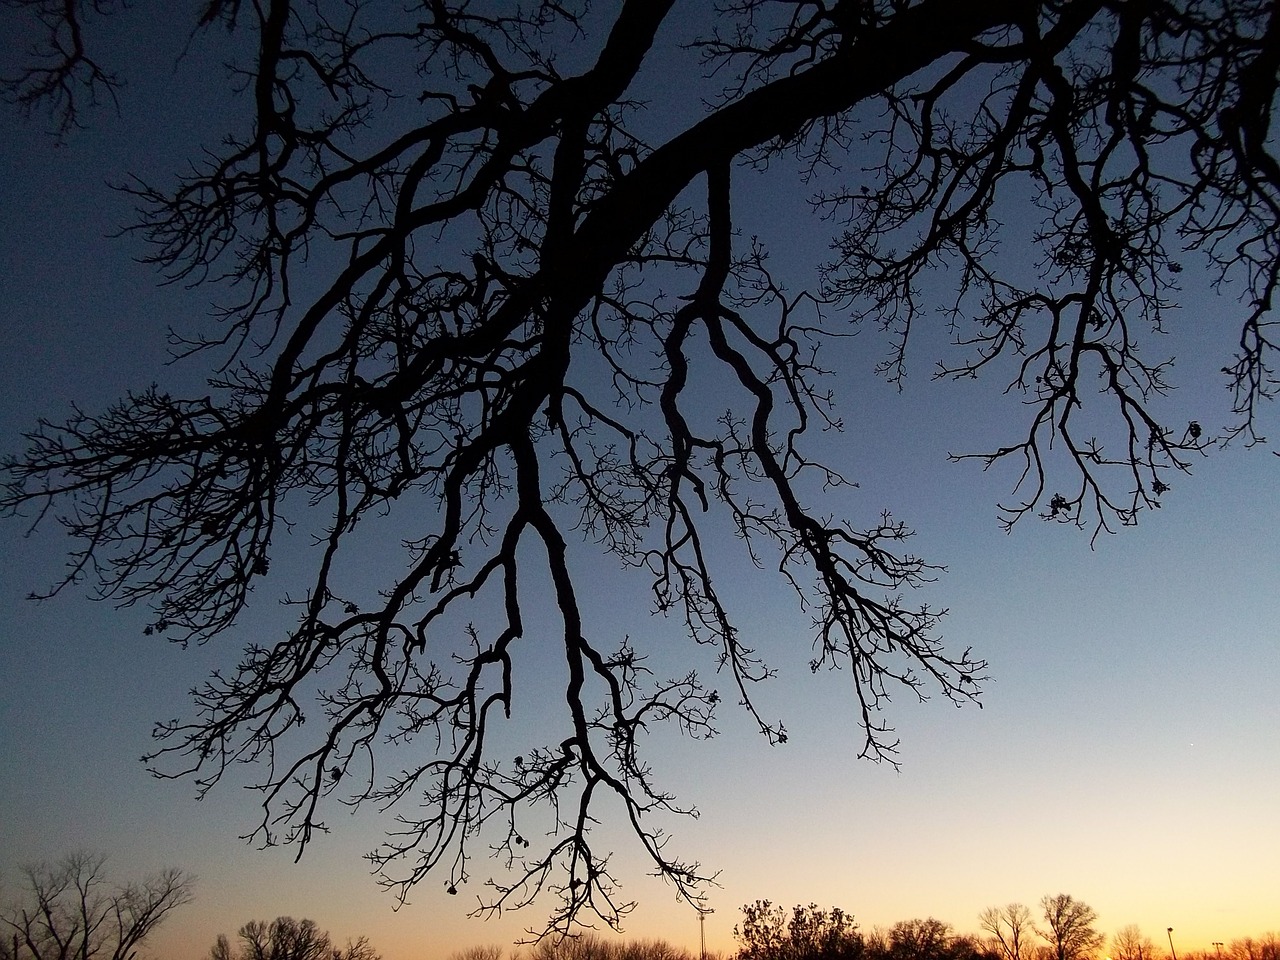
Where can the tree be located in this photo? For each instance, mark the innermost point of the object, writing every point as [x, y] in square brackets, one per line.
[591, 946]
[469, 284]
[71, 911]
[1070, 933]
[1128, 943]
[809, 933]
[1265, 947]
[1008, 928]
[926, 939]
[285, 938]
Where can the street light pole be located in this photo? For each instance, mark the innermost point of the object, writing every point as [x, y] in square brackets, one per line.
[1217, 945]
[1171, 950]
[702, 930]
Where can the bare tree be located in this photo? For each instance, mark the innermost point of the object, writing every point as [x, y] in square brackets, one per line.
[1265, 947]
[285, 938]
[769, 932]
[1128, 943]
[71, 911]
[921, 939]
[470, 283]
[589, 946]
[650, 949]
[1008, 927]
[1069, 929]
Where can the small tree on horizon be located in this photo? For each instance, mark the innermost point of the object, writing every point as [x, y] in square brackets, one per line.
[1008, 929]
[591, 946]
[479, 952]
[285, 938]
[1129, 943]
[1069, 930]
[768, 932]
[920, 939]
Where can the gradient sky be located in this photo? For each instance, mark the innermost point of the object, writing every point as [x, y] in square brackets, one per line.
[1128, 751]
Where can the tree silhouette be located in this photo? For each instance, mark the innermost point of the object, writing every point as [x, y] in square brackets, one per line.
[285, 938]
[1069, 927]
[928, 939]
[1128, 943]
[591, 946]
[1265, 947]
[70, 909]
[1008, 928]
[471, 285]
[768, 932]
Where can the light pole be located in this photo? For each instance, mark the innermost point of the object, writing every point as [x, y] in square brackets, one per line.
[1171, 950]
[1217, 945]
[702, 930]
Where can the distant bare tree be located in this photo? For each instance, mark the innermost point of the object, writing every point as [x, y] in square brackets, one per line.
[1128, 943]
[651, 949]
[1069, 928]
[966, 946]
[876, 942]
[588, 946]
[591, 946]
[71, 911]
[1264, 947]
[482, 952]
[920, 939]
[1009, 927]
[285, 938]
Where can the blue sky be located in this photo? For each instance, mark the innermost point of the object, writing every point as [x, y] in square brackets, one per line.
[1128, 749]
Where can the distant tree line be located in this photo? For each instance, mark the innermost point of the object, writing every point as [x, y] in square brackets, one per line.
[1065, 929]
[588, 946]
[70, 910]
[768, 932]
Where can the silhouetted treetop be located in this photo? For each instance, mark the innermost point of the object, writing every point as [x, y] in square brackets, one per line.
[475, 290]
[769, 932]
[71, 910]
[1069, 929]
[285, 938]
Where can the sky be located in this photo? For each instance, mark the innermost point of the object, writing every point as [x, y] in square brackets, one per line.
[1127, 751]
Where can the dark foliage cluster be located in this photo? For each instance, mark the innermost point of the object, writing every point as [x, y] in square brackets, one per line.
[285, 938]
[588, 946]
[474, 291]
[769, 932]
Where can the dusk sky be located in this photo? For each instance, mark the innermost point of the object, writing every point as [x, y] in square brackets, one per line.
[1127, 751]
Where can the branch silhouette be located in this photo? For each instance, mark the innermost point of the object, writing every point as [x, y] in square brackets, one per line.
[470, 294]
